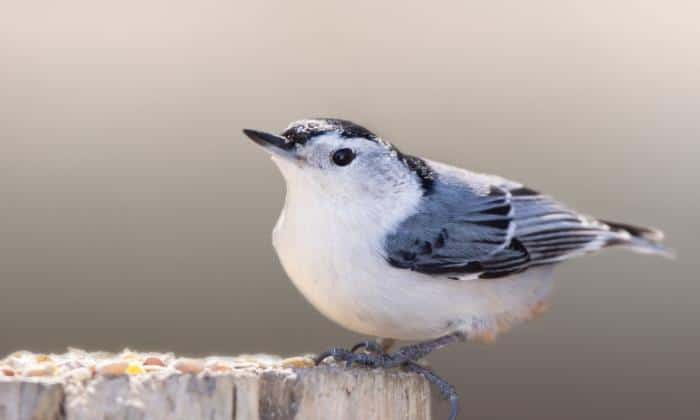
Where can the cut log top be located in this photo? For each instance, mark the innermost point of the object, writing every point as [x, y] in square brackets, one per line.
[79, 385]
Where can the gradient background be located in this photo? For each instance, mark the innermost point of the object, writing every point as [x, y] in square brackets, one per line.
[134, 213]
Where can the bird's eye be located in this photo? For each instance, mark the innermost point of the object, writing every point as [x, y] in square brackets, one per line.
[343, 157]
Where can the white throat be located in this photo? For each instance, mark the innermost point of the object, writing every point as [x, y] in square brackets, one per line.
[340, 213]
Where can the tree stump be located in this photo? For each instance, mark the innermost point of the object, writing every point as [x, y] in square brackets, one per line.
[93, 386]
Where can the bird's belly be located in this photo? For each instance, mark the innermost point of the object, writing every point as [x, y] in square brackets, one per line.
[357, 289]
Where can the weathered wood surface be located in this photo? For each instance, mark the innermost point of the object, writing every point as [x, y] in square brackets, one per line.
[30, 399]
[266, 393]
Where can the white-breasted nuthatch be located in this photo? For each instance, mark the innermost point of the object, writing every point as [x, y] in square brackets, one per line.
[396, 246]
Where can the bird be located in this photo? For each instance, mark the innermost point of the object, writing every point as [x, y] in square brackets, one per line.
[395, 246]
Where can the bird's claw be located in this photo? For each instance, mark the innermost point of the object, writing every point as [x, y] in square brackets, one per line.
[336, 353]
[373, 357]
[351, 358]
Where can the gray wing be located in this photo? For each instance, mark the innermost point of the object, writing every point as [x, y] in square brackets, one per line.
[458, 238]
[479, 226]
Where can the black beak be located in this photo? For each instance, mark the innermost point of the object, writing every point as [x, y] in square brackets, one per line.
[267, 140]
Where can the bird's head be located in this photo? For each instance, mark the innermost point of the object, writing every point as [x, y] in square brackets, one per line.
[340, 161]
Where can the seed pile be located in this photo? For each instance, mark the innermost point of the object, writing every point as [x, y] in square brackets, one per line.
[82, 365]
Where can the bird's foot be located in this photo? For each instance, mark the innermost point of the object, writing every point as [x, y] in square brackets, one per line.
[376, 348]
[375, 356]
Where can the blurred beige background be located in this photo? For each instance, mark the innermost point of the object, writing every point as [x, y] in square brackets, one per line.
[134, 213]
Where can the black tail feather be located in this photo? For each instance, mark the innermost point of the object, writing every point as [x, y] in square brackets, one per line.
[649, 234]
[642, 239]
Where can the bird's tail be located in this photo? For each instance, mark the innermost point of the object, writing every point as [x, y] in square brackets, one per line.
[639, 239]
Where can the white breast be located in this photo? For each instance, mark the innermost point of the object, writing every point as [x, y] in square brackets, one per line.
[333, 254]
